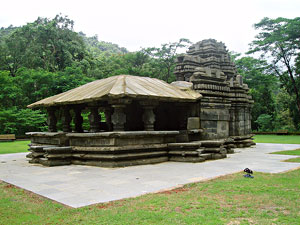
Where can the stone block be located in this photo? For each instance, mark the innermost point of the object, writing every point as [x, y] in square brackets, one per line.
[206, 156]
[193, 123]
[186, 159]
[218, 156]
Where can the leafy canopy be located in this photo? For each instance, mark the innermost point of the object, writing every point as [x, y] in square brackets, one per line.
[279, 41]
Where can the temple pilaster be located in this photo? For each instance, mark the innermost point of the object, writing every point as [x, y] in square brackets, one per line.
[66, 119]
[108, 113]
[118, 118]
[78, 120]
[51, 120]
[148, 115]
[94, 119]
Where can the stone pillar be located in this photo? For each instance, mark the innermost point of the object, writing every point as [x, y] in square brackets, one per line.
[94, 119]
[66, 119]
[78, 120]
[248, 120]
[148, 116]
[232, 122]
[52, 120]
[118, 118]
[108, 112]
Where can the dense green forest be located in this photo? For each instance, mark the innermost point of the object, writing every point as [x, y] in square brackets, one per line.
[47, 57]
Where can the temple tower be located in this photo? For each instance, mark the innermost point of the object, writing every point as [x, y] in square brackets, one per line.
[225, 106]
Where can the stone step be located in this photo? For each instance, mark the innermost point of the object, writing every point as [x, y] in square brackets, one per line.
[214, 150]
[120, 156]
[58, 156]
[185, 145]
[206, 156]
[39, 148]
[184, 153]
[54, 162]
[56, 149]
[186, 159]
[212, 143]
[236, 138]
[120, 163]
[37, 154]
[154, 147]
[218, 156]
[29, 155]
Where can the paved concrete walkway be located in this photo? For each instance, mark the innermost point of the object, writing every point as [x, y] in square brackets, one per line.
[79, 186]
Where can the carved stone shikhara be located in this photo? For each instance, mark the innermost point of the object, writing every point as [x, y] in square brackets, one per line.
[225, 106]
[202, 116]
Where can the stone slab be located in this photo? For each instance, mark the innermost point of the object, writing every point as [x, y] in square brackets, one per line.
[79, 186]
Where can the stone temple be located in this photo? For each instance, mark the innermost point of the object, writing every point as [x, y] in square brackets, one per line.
[202, 116]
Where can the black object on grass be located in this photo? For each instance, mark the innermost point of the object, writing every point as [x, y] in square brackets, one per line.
[249, 172]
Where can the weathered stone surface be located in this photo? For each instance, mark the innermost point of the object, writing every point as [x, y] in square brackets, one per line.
[186, 159]
[118, 118]
[184, 153]
[113, 156]
[193, 123]
[225, 106]
[206, 156]
[52, 120]
[55, 162]
[57, 149]
[185, 145]
[140, 129]
[121, 163]
[218, 156]
[94, 119]
[50, 156]
[108, 113]
[148, 118]
[66, 119]
[49, 138]
[37, 154]
[149, 147]
[78, 120]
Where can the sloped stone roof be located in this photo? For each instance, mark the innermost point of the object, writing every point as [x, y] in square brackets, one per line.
[118, 87]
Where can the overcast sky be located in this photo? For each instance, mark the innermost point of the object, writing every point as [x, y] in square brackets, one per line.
[138, 23]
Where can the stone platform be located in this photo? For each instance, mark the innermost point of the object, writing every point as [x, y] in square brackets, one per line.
[79, 186]
[105, 149]
[124, 148]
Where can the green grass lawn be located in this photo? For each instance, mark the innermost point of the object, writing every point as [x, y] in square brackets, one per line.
[297, 160]
[282, 139]
[290, 152]
[233, 199]
[13, 147]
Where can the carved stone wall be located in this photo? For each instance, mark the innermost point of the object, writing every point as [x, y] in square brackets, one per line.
[226, 105]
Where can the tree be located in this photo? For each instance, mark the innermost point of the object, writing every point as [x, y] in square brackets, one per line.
[19, 121]
[279, 41]
[98, 48]
[264, 122]
[165, 57]
[44, 44]
[258, 75]
[285, 108]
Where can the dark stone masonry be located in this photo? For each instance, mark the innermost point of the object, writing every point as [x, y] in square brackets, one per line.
[202, 116]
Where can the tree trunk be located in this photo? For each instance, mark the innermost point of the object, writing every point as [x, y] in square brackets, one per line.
[287, 64]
